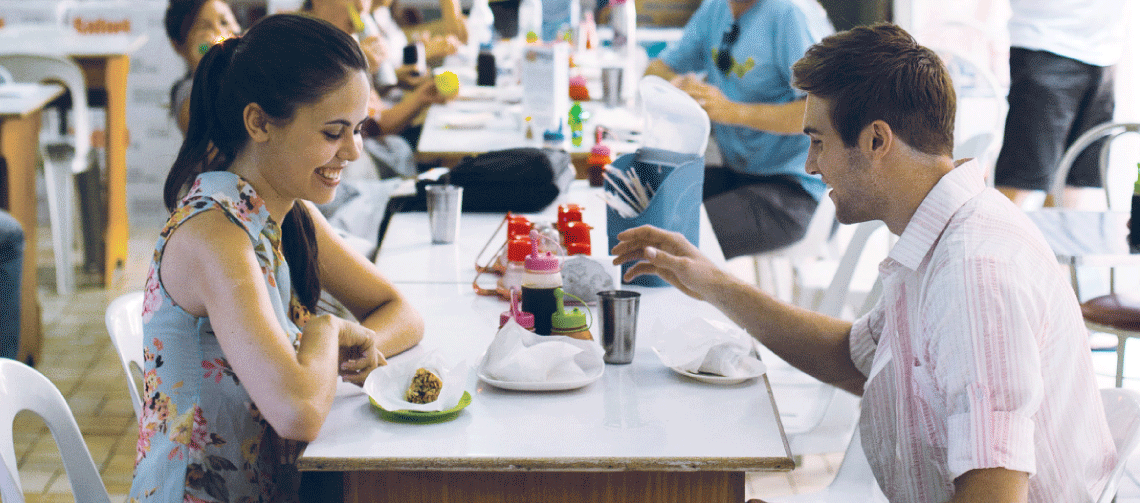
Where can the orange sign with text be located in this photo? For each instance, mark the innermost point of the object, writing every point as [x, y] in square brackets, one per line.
[100, 26]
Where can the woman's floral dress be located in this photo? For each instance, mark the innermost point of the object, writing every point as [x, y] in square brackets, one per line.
[201, 437]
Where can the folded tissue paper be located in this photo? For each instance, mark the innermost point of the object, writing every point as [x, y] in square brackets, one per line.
[519, 355]
[703, 346]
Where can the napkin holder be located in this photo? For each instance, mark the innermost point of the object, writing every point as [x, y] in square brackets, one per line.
[678, 182]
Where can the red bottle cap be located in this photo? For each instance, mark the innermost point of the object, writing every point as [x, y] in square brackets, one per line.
[577, 238]
[517, 226]
[517, 249]
[569, 213]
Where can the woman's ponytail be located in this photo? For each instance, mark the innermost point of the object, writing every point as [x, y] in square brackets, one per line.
[205, 147]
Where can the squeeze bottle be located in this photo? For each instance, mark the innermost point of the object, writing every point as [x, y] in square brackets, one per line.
[542, 275]
[571, 324]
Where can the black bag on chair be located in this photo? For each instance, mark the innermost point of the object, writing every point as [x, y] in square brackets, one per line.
[523, 180]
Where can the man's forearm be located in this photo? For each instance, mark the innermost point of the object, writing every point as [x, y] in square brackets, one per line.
[660, 69]
[810, 341]
[782, 118]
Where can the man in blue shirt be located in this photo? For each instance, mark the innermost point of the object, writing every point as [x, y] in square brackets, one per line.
[734, 58]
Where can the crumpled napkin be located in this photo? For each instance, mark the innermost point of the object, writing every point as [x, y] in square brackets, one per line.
[519, 355]
[388, 383]
[707, 346]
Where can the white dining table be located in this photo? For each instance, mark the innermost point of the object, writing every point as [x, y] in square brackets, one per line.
[639, 425]
[640, 432]
[481, 119]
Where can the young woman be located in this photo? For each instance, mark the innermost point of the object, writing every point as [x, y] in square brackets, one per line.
[191, 26]
[239, 365]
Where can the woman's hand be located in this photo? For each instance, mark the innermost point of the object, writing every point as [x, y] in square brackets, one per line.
[358, 352]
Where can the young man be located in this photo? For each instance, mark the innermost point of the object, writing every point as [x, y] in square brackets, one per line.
[974, 368]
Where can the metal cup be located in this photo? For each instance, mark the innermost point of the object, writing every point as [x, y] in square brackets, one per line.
[611, 86]
[618, 324]
[444, 203]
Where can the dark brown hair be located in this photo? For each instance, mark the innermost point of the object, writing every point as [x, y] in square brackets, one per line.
[282, 62]
[180, 16]
[880, 72]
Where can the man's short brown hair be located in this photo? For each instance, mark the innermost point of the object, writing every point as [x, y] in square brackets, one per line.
[880, 72]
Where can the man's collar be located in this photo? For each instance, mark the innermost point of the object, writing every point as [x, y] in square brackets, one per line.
[948, 195]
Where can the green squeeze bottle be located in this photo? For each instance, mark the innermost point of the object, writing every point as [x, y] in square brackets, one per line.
[576, 124]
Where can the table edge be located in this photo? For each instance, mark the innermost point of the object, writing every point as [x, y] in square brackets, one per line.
[547, 464]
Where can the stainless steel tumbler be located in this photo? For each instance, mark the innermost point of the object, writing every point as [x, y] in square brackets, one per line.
[618, 324]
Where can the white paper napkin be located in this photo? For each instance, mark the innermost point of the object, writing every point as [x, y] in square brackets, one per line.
[707, 346]
[519, 355]
[387, 384]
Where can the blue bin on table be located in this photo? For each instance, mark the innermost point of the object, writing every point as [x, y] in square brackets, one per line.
[678, 181]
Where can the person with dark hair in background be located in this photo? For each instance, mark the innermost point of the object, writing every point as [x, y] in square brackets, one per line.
[239, 366]
[974, 366]
[11, 265]
[192, 27]
[735, 58]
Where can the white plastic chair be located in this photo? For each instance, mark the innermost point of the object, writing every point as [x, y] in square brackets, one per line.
[124, 324]
[980, 122]
[813, 246]
[24, 388]
[63, 156]
[1122, 409]
[825, 416]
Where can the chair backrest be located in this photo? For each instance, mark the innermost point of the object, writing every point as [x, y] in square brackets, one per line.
[982, 105]
[814, 243]
[1122, 409]
[835, 412]
[1109, 130]
[24, 388]
[124, 324]
[50, 68]
[835, 297]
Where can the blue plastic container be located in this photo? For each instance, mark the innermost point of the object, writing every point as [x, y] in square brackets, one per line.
[678, 181]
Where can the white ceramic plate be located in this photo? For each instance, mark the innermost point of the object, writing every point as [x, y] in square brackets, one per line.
[541, 386]
[710, 378]
[713, 378]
